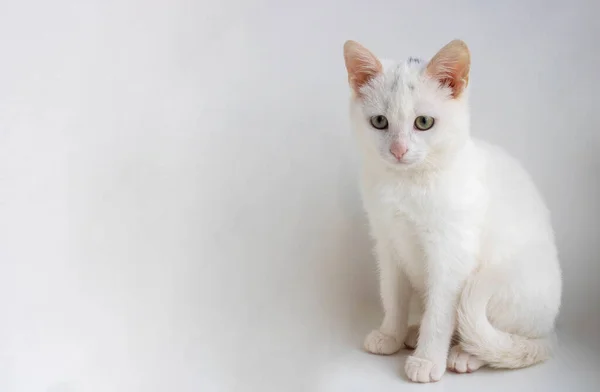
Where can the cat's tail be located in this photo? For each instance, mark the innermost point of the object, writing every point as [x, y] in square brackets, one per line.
[480, 338]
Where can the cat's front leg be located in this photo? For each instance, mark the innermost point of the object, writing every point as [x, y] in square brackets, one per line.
[449, 263]
[395, 293]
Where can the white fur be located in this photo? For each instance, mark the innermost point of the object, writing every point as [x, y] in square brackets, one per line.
[458, 223]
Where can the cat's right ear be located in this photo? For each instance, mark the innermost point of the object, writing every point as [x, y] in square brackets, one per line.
[362, 65]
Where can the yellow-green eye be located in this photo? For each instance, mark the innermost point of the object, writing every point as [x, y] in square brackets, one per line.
[379, 122]
[424, 123]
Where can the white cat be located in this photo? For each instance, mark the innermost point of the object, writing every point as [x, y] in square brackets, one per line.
[456, 222]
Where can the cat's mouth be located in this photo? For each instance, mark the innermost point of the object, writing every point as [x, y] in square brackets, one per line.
[404, 162]
[401, 164]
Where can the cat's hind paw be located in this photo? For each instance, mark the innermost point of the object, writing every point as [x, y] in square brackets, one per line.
[462, 362]
[378, 343]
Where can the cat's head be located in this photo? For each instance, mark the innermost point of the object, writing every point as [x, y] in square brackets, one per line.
[409, 114]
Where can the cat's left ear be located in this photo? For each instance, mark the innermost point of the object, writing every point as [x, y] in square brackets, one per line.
[362, 65]
[451, 65]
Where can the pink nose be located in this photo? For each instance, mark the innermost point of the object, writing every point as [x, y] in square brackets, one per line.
[398, 150]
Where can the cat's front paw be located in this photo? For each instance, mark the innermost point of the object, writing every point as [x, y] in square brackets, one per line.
[377, 342]
[423, 370]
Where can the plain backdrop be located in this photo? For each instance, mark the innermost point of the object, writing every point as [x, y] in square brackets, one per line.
[178, 200]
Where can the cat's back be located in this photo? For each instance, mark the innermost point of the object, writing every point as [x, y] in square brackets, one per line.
[516, 208]
[506, 178]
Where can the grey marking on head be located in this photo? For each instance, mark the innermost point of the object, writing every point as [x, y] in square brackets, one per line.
[396, 81]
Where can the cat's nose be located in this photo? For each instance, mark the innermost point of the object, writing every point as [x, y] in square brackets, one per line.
[398, 150]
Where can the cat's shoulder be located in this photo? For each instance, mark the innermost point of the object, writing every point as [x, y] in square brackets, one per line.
[498, 162]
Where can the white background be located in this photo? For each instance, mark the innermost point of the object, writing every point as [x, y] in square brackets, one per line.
[178, 202]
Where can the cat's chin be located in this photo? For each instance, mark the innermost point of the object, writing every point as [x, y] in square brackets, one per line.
[400, 165]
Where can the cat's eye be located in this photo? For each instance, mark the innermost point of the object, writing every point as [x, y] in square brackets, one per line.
[424, 123]
[379, 122]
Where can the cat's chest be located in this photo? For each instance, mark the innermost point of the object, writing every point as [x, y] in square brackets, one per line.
[393, 202]
[398, 217]
[396, 206]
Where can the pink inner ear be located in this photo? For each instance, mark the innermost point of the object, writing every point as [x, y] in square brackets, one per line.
[451, 65]
[456, 84]
[361, 64]
[455, 76]
[360, 77]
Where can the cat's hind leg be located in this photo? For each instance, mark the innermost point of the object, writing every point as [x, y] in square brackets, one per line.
[506, 315]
